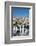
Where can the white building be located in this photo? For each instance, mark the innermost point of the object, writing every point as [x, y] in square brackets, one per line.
[23, 20]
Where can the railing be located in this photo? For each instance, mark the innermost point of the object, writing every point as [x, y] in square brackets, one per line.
[21, 30]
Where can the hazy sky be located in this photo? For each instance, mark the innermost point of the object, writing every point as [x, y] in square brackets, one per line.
[18, 11]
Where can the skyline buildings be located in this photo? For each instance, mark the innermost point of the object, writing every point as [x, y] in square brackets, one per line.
[20, 21]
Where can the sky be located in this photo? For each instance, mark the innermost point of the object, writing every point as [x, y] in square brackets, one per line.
[20, 11]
